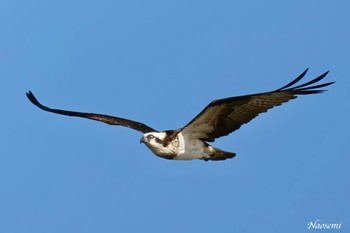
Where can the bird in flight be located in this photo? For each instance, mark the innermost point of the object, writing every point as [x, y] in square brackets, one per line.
[220, 118]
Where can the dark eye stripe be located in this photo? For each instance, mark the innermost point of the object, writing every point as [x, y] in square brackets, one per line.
[158, 140]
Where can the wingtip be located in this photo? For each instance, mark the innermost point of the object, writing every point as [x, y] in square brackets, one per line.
[294, 81]
[32, 98]
[29, 93]
[325, 73]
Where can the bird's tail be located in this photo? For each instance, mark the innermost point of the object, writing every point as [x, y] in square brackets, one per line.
[217, 154]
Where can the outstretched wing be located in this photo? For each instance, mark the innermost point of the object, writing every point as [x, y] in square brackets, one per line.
[223, 116]
[111, 120]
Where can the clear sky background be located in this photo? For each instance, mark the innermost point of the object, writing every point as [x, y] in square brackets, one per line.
[162, 62]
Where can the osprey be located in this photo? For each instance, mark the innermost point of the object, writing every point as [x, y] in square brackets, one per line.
[219, 118]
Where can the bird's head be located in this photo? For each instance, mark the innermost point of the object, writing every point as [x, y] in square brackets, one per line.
[159, 144]
[153, 139]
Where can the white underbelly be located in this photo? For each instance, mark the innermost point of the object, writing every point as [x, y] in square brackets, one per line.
[190, 149]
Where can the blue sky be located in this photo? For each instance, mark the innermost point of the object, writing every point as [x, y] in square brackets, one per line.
[161, 62]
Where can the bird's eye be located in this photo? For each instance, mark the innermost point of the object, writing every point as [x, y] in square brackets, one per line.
[150, 136]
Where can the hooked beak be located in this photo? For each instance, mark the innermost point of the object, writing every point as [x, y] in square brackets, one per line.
[143, 140]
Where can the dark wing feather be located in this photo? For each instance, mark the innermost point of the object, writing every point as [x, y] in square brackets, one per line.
[223, 116]
[111, 120]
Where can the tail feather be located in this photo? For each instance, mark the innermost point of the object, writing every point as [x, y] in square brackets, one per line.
[217, 154]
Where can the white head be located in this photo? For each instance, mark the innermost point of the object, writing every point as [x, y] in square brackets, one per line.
[160, 143]
[153, 138]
